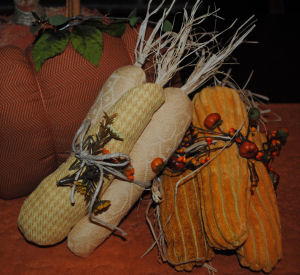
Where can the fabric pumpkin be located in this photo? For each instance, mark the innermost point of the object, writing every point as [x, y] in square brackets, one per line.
[41, 111]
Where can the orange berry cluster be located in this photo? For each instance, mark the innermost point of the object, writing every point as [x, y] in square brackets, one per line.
[272, 147]
[182, 160]
[157, 165]
[129, 173]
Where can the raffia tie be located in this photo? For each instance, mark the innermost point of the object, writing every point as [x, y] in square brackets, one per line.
[101, 162]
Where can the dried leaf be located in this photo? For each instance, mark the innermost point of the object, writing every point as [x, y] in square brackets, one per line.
[66, 181]
[75, 165]
[101, 206]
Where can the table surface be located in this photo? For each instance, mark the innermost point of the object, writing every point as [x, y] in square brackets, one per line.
[119, 256]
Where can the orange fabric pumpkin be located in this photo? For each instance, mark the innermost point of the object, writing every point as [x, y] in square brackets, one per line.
[41, 111]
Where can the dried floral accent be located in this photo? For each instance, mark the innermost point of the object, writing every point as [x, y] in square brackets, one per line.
[195, 148]
[197, 145]
[87, 175]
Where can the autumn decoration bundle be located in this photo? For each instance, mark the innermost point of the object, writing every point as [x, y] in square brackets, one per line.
[207, 161]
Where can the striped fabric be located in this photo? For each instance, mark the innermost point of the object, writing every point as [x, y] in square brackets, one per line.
[40, 112]
[224, 183]
[263, 248]
[186, 244]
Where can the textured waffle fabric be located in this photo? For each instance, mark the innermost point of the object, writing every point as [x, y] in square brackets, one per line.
[47, 215]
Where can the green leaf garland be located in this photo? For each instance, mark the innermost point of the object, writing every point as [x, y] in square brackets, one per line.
[116, 29]
[57, 20]
[86, 37]
[133, 20]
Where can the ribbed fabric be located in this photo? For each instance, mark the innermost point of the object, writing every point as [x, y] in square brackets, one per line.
[40, 112]
[224, 184]
[182, 223]
[263, 248]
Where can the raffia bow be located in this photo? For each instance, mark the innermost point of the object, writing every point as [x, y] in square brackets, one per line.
[105, 165]
[102, 162]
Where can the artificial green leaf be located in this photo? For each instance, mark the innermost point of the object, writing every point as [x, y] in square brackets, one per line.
[133, 20]
[115, 29]
[88, 41]
[57, 20]
[167, 26]
[49, 45]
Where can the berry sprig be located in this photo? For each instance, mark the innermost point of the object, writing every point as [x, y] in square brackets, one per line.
[197, 145]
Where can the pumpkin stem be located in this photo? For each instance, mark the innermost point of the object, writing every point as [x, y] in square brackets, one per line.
[23, 9]
[72, 8]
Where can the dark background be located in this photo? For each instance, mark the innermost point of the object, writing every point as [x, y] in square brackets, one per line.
[274, 59]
